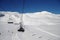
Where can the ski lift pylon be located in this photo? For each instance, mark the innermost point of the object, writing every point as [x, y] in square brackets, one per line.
[21, 28]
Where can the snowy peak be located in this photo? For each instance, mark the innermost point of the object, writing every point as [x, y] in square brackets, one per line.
[41, 18]
[41, 14]
[45, 13]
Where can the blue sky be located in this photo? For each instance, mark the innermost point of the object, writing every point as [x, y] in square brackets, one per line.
[30, 5]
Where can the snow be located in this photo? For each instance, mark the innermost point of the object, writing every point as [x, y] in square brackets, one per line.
[14, 16]
[38, 26]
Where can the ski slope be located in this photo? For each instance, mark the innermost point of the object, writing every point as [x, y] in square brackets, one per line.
[38, 26]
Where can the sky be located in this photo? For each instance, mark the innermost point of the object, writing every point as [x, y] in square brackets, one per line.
[30, 6]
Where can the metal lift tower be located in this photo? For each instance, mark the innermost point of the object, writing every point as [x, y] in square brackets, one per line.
[21, 29]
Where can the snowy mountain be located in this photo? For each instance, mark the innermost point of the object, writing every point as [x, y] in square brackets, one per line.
[38, 26]
[10, 16]
[41, 18]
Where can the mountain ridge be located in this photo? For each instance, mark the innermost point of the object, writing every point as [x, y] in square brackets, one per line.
[15, 16]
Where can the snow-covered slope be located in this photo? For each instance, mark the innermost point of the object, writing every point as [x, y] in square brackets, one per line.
[38, 26]
[44, 20]
[41, 18]
[10, 16]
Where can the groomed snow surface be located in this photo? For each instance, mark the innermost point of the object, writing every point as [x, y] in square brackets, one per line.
[38, 26]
